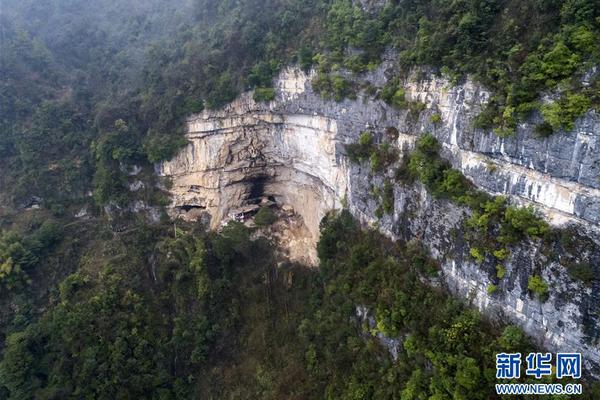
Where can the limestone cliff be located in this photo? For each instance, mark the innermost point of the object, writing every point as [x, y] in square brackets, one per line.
[293, 150]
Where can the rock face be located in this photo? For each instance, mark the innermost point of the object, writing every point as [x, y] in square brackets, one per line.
[243, 153]
[293, 150]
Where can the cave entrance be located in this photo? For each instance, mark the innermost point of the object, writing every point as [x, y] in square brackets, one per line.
[256, 195]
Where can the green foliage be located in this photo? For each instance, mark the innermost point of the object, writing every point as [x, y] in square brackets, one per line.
[582, 271]
[444, 355]
[538, 286]
[348, 26]
[426, 165]
[477, 254]
[501, 254]
[153, 65]
[20, 255]
[384, 195]
[513, 339]
[524, 221]
[144, 315]
[357, 152]
[264, 94]
[264, 217]
[160, 148]
[493, 225]
[380, 156]
[333, 87]
[305, 58]
[562, 114]
[544, 129]
[436, 119]
[394, 95]
[216, 309]
[500, 271]
[150, 66]
[261, 74]
[387, 197]
[147, 331]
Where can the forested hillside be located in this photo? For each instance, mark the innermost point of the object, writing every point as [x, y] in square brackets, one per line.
[71, 70]
[113, 304]
[212, 316]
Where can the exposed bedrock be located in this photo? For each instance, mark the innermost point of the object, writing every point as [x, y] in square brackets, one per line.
[293, 149]
[243, 153]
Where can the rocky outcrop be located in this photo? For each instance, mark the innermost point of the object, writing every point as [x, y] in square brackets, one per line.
[244, 152]
[293, 150]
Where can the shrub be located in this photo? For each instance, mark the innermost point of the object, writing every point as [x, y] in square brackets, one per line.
[341, 88]
[501, 254]
[500, 271]
[544, 129]
[264, 217]
[583, 272]
[538, 286]
[453, 184]
[375, 161]
[428, 145]
[562, 114]
[365, 138]
[263, 94]
[426, 165]
[491, 288]
[486, 118]
[436, 119]
[380, 156]
[394, 95]
[334, 87]
[163, 147]
[355, 63]
[524, 221]
[416, 107]
[357, 152]
[477, 254]
[513, 339]
[305, 58]
[468, 373]
[420, 258]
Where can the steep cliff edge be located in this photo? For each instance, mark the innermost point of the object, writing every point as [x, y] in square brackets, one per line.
[293, 150]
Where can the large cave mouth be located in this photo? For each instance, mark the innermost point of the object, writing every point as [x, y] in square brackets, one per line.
[217, 175]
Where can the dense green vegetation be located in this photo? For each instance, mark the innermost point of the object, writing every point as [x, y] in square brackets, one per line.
[333, 87]
[212, 316]
[517, 49]
[135, 327]
[18, 255]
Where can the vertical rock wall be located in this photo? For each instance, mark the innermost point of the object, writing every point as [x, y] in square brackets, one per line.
[293, 149]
